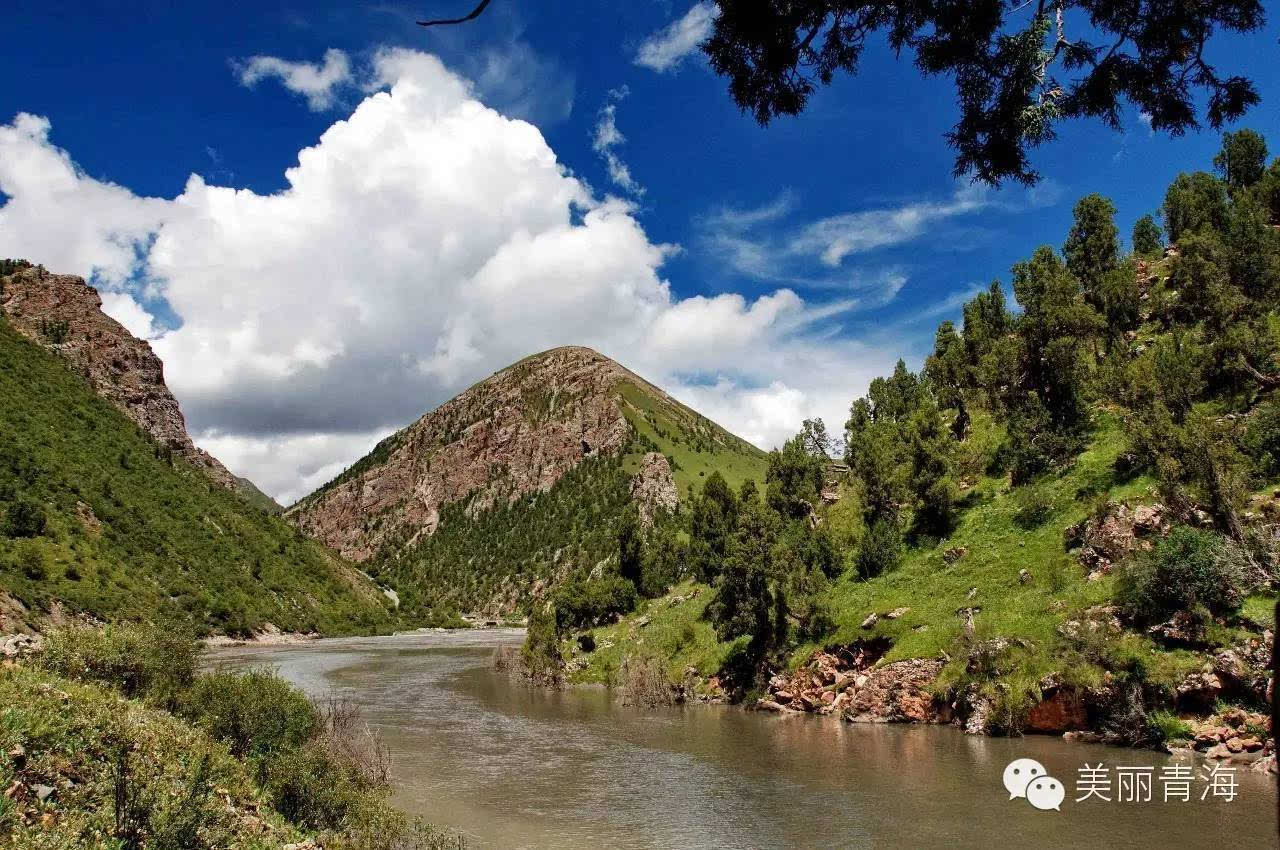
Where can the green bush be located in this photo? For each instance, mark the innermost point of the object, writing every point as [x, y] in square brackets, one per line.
[315, 790]
[385, 828]
[590, 602]
[880, 550]
[1169, 726]
[1263, 438]
[1034, 509]
[25, 518]
[255, 713]
[144, 661]
[1188, 570]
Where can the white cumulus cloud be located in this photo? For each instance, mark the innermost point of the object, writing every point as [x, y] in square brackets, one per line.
[667, 48]
[421, 243]
[315, 81]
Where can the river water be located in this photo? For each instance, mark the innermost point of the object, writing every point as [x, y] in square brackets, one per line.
[516, 767]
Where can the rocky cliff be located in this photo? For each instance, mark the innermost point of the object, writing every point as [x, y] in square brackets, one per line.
[515, 433]
[64, 314]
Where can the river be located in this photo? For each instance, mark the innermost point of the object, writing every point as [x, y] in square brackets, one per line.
[515, 767]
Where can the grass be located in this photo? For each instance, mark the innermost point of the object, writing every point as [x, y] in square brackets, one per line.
[1001, 540]
[131, 533]
[676, 633]
[695, 444]
[91, 755]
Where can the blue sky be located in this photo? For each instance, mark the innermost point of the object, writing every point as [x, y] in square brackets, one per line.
[835, 241]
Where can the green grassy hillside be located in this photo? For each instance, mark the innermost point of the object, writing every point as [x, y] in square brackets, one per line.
[695, 445]
[96, 517]
[999, 542]
[1077, 497]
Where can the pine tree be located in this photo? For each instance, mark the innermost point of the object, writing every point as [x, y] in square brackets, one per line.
[1092, 249]
[1146, 237]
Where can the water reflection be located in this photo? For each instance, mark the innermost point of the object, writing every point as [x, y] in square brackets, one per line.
[519, 767]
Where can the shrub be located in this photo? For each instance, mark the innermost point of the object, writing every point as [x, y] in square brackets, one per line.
[1188, 570]
[312, 789]
[143, 661]
[337, 780]
[880, 550]
[1169, 726]
[592, 602]
[1263, 438]
[255, 713]
[351, 741]
[25, 518]
[540, 655]
[385, 828]
[1034, 509]
[645, 683]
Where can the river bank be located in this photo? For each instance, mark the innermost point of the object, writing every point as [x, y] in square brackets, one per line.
[595, 772]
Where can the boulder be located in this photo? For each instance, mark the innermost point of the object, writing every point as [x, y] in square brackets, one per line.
[1181, 630]
[954, 554]
[1116, 531]
[1198, 691]
[871, 620]
[897, 693]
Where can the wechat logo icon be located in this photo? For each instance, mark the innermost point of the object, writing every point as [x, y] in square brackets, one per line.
[1028, 779]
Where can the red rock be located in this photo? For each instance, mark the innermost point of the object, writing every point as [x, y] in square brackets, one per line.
[897, 693]
[1061, 712]
[1234, 745]
[653, 488]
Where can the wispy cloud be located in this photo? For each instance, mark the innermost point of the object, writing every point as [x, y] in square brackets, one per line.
[765, 244]
[667, 48]
[607, 137]
[316, 81]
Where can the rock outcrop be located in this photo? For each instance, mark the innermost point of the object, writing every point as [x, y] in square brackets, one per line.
[517, 432]
[849, 681]
[64, 314]
[1116, 531]
[653, 489]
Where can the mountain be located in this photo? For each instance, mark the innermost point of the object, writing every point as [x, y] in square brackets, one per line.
[567, 427]
[64, 314]
[108, 511]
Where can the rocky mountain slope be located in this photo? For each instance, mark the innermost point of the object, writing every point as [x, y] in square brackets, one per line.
[103, 518]
[516, 433]
[64, 314]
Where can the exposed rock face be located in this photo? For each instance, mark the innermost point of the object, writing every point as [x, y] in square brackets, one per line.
[1118, 530]
[848, 681]
[653, 488]
[898, 693]
[64, 314]
[514, 433]
[1061, 710]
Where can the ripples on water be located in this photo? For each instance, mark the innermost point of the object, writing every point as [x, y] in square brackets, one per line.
[516, 767]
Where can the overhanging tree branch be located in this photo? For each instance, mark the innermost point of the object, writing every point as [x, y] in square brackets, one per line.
[475, 13]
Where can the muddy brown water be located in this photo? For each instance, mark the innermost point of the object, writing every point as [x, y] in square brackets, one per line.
[516, 767]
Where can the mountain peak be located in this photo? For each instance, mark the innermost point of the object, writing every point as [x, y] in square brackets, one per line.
[514, 433]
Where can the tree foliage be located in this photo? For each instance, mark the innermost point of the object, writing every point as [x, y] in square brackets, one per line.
[1020, 69]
